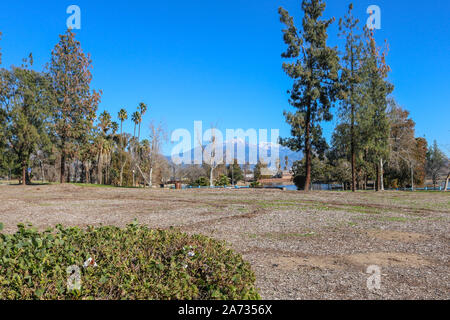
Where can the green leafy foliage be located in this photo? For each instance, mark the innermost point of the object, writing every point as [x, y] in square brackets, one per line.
[200, 182]
[76, 105]
[222, 181]
[313, 66]
[132, 263]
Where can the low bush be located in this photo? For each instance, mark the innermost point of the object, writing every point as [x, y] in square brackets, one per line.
[222, 181]
[200, 182]
[130, 263]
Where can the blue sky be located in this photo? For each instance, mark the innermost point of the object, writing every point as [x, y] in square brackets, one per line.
[219, 61]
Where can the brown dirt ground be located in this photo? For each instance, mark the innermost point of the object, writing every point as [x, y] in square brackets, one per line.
[301, 245]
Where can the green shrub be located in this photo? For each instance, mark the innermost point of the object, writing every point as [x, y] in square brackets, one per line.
[132, 263]
[222, 181]
[200, 182]
[255, 184]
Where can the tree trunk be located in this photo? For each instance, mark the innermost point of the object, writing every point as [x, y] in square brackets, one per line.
[86, 172]
[63, 168]
[381, 175]
[352, 134]
[121, 152]
[68, 173]
[412, 177]
[307, 152]
[352, 127]
[150, 183]
[211, 171]
[139, 132]
[24, 171]
[99, 167]
[377, 180]
[42, 172]
[121, 173]
[446, 182]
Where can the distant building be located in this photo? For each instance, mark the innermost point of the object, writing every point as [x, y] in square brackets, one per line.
[286, 175]
[266, 173]
[249, 176]
[269, 178]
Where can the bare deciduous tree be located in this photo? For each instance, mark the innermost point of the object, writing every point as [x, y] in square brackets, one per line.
[209, 151]
[158, 135]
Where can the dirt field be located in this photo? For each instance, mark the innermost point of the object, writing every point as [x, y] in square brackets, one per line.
[314, 245]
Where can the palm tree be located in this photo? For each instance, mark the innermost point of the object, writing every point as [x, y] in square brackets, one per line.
[123, 115]
[142, 109]
[105, 121]
[136, 118]
[102, 142]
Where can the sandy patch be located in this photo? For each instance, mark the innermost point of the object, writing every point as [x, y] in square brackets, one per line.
[391, 259]
[386, 259]
[392, 235]
[320, 262]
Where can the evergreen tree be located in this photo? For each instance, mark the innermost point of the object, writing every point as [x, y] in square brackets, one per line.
[76, 104]
[28, 98]
[3, 114]
[314, 67]
[351, 82]
[235, 172]
[421, 161]
[0, 49]
[372, 118]
[257, 170]
[436, 160]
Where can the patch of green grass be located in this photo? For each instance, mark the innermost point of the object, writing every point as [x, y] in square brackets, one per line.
[92, 185]
[362, 209]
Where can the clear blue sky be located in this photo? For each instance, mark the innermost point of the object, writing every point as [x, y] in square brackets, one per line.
[219, 61]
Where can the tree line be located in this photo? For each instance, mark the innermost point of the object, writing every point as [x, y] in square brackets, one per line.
[49, 128]
[375, 138]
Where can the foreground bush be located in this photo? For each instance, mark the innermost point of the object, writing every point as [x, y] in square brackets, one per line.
[132, 263]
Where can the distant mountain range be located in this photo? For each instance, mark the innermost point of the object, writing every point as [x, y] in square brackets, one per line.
[248, 151]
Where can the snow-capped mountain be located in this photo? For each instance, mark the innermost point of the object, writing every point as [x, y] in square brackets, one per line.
[244, 152]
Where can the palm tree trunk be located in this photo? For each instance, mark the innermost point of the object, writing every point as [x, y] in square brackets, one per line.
[99, 167]
[139, 131]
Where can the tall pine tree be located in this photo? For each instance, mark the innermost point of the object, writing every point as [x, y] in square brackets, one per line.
[2, 116]
[373, 119]
[76, 106]
[351, 82]
[314, 67]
